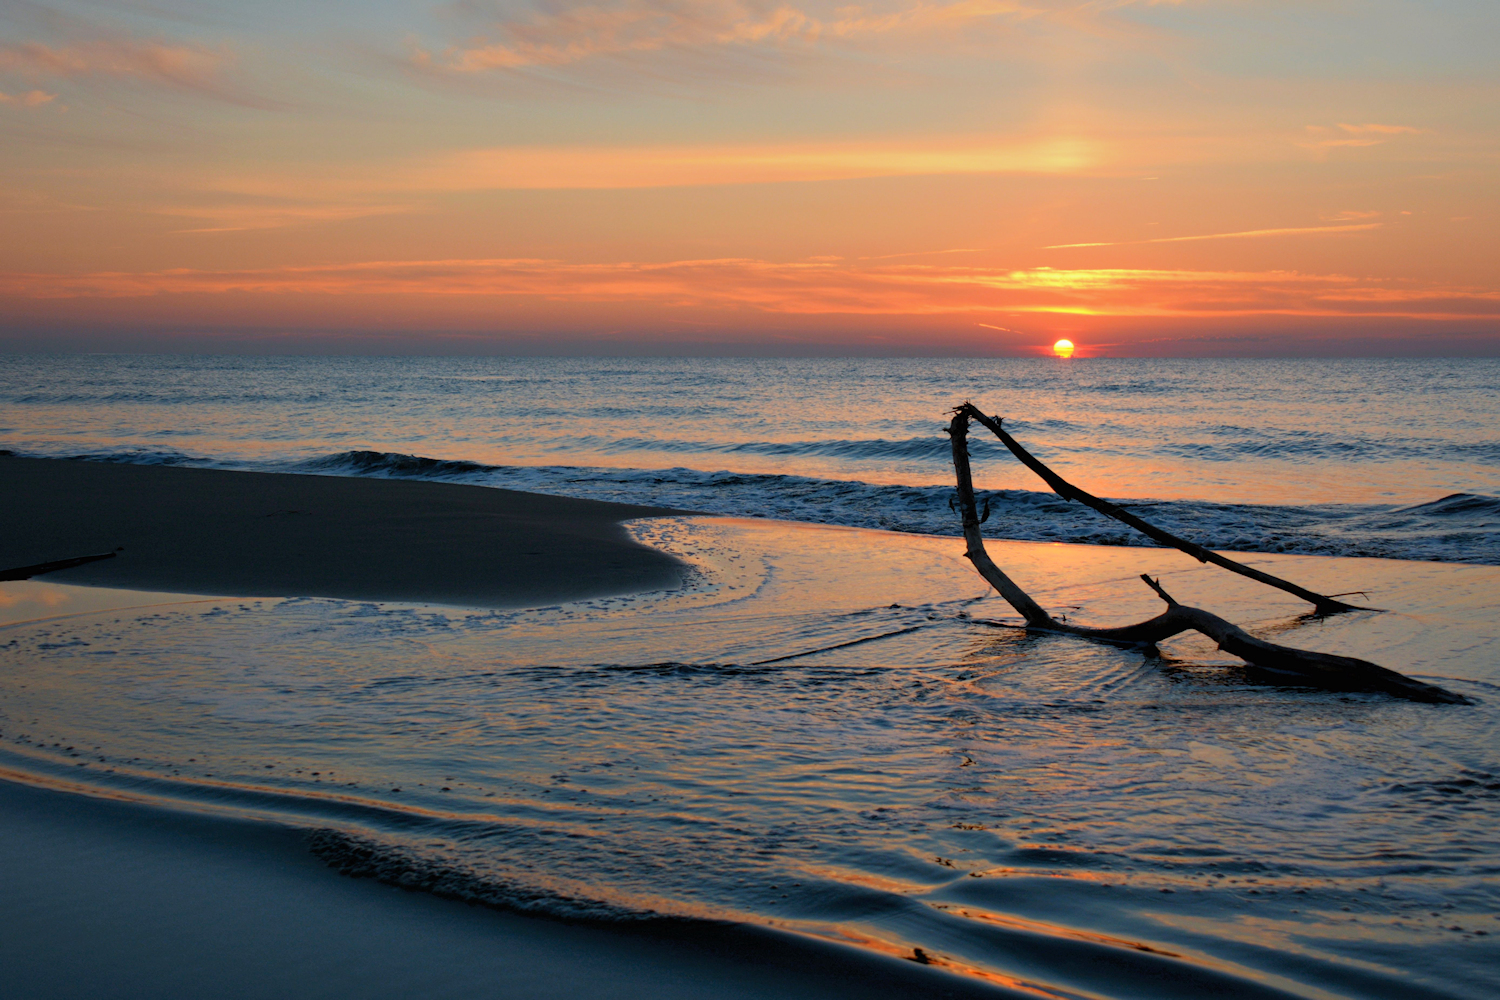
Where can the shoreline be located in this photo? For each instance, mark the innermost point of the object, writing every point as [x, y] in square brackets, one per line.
[254, 719]
[262, 534]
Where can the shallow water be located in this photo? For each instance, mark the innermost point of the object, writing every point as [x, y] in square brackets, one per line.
[826, 731]
[1365, 457]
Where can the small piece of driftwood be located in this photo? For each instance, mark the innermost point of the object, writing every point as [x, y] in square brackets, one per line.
[27, 572]
[1281, 663]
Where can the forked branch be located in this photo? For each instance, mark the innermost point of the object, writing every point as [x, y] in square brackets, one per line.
[1322, 602]
[1325, 670]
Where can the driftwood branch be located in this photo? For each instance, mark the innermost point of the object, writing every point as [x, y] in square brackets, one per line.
[1324, 603]
[1325, 670]
[27, 572]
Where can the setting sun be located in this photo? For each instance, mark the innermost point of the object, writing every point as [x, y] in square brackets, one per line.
[1063, 348]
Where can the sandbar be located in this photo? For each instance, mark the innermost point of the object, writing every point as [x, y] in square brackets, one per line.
[257, 534]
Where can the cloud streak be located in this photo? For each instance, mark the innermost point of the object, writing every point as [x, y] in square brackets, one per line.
[1370, 134]
[620, 168]
[798, 288]
[189, 67]
[586, 32]
[30, 99]
[1245, 234]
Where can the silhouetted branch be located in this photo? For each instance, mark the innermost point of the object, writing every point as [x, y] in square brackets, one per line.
[1323, 602]
[27, 572]
[1325, 670]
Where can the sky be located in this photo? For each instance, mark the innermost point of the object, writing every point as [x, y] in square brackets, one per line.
[903, 177]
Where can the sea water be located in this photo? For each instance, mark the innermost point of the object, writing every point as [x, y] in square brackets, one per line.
[1380, 457]
[829, 730]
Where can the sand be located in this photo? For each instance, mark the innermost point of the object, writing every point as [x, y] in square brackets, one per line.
[203, 531]
[108, 899]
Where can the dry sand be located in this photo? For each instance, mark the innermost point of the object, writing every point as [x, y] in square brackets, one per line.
[203, 531]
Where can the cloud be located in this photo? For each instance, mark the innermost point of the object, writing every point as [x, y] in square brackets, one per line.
[215, 198]
[668, 166]
[187, 66]
[232, 217]
[603, 167]
[924, 253]
[1246, 234]
[91, 53]
[30, 99]
[799, 288]
[1379, 129]
[1355, 135]
[576, 34]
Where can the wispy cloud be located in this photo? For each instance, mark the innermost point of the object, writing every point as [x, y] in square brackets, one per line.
[1344, 134]
[189, 67]
[215, 198]
[85, 53]
[1379, 129]
[596, 167]
[234, 216]
[564, 36]
[923, 253]
[30, 99]
[1245, 234]
[802, 288]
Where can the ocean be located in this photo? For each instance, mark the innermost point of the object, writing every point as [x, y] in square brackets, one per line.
[1366, 457]
[822, 732]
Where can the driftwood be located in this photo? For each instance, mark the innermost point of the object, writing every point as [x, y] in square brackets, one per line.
[1281, 663]
[1324, 603]
[27, 572]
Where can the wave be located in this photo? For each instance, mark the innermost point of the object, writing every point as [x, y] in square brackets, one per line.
[1223, 445]
[142, 457]
[395, 865]
[1460, 528]
[1463, 527]
[1242, 443]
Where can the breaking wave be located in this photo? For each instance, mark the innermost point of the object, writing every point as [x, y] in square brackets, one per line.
[1459, 528]
[1463, 527]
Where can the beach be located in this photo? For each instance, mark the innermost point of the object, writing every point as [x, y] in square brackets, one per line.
[486, 507]
[797, 760]
[638, 499]
[121, 898]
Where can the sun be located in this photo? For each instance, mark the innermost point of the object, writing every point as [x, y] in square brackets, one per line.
[1063, 348]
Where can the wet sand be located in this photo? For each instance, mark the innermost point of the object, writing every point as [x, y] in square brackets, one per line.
[168, 894]
[204, 531]
[169, 904]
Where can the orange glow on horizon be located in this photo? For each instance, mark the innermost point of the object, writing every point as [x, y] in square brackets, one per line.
[1063, 348]
[613, 167]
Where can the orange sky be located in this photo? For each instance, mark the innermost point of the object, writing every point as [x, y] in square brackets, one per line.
[1180, 178]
